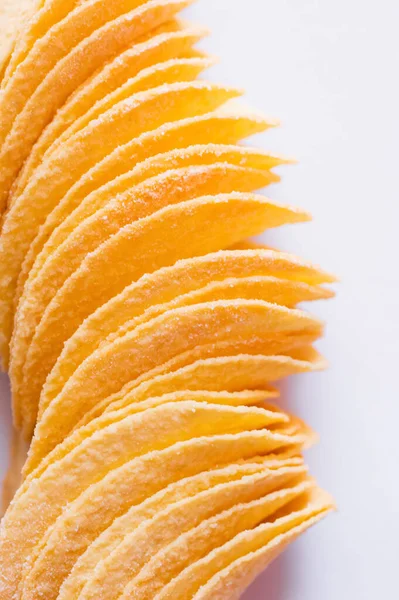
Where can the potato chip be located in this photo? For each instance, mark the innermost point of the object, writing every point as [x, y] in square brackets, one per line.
[166, 285]
[263, 538]
[105, 272]
[132, 482]
[245, 398]
[233, 581]
[126, 120]
[177, 331]
[196, 543]
[142, 543]
[13, 15]
[232, 372]
[184, 488]
[59, 62]
[213, 155]
[166, 42]
[137, 203]
[114, 534]
[218, 127]
[18, 453]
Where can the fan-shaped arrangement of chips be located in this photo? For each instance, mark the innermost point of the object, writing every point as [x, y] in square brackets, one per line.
[141, 331]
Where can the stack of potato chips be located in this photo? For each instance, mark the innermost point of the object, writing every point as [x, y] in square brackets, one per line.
[140, 330]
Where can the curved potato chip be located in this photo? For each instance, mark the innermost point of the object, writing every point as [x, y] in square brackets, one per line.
[129, 118]
[232, 581]
[189, 583]
[145, 540]
[216, 221]
[196, 543]
[174, 186]
[128, 357]
[192, 369]
[217, 127]
[120, 190]
[47, 14]
[13, 15]
[151, 472]
[114, 534]
[164, 286]
[63, 59]
[170, 41]
[245, 398]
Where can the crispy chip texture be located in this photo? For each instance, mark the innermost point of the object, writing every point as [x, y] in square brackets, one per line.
[142, 329]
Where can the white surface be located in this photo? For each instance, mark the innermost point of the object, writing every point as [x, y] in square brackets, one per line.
[329, 70]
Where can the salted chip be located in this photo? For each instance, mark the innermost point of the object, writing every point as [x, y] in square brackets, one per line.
[138, 546]
[174, 186]
[153, 344]
[196, 543]
[128, 119]
[126, 486]
[13, 15]
[165, 286]
[94, 33]
[109, 539]
[245, 398]
[120, 191]
[232, 581]
[232, 372]
[269, 536]
[220, 220]
[218, 127]
[171, 40]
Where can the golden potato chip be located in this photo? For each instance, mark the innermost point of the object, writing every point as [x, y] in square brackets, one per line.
[168, 41]
[164, 286]
[196, 543]
[245, 398]
[114, 534]
[232, 582]
[111, 267]
[182, 69]
[94, 34]
[218, 127]
[47, 13]
[153, 344]
[139, 545]
[18, 453]
[184, 488]
[213, 155]
[13, 15]
[26, 521]
[232, 372]
[193, 581]
[137, 203]
[126, 120]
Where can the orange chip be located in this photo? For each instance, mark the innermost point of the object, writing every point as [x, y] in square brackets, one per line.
[194, 544]
[201, 580]
[136, 203]
[218, 127]
[129, 118]
[114, 534]
[168, 41]
[151, 472]
[153, 344]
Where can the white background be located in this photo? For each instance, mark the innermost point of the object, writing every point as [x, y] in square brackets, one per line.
[329, 70]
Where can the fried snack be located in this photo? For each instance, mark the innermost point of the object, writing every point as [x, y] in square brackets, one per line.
[132, 482]
[197, 543]
[126, 120]
[167, 285]
[259, 545]
[142, 329]
[113, 535]
[223, 126]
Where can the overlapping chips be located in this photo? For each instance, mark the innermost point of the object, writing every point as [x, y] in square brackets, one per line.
[142, 331]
